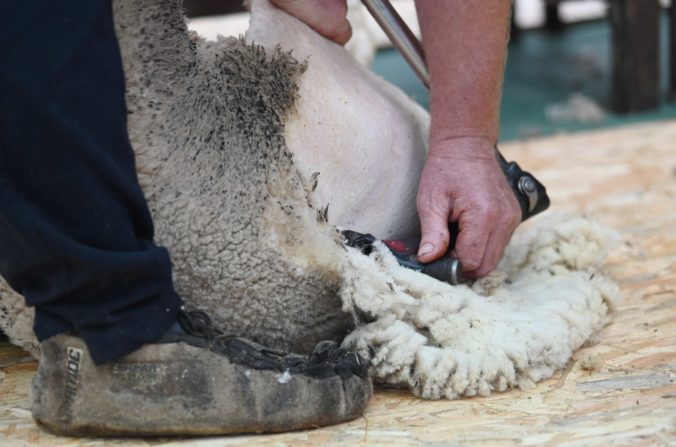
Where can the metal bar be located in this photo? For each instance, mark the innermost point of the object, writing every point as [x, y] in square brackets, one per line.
[400, 35]
[635, 79]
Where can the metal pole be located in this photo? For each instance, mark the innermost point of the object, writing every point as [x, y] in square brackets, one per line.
[400, 35]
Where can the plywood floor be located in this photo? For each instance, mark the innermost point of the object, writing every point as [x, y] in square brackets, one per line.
[626, 178]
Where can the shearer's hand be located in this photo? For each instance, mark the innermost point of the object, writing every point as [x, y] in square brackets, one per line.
[327, 17]
[466, 47]
[462, 182]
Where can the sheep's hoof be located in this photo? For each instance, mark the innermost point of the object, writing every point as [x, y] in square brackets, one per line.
[204, 384]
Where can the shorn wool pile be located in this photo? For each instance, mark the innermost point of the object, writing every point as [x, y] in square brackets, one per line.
[510, 329]
[252, 152]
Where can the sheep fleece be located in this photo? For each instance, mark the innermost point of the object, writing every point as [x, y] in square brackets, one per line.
[252, 244]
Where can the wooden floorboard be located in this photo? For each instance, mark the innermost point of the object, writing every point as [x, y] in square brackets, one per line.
[620, 391]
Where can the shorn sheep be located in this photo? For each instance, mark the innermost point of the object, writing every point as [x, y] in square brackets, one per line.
[253, 151]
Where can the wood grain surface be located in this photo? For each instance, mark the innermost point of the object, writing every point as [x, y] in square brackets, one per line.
[619, 391]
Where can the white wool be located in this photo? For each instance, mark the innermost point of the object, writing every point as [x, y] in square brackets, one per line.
[508, 330]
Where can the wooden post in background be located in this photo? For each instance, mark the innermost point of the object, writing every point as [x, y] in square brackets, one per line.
[635, 55]
[672, 49]
[552, 16]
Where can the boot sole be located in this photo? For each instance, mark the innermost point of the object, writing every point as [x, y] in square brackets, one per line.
[181, 390]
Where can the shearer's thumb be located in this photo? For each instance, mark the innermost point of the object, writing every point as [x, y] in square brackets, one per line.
[435, 234]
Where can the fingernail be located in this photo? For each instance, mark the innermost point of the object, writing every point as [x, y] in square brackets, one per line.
[425, 249]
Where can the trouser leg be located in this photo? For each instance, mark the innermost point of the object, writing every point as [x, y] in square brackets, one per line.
[75, 230]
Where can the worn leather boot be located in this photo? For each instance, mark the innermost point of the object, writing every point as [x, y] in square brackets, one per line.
[196, 381]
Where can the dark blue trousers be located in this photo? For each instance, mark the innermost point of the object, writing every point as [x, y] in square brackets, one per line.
[76, 236]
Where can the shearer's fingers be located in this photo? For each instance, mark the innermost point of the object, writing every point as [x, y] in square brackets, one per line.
[327, 17]
[472, 239]
[341, 33]
[498, 239]
[492, 255]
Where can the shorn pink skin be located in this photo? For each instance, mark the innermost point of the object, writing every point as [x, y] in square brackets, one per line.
[466, 46]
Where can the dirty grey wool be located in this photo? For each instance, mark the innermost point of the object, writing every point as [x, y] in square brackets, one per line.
[206, 121]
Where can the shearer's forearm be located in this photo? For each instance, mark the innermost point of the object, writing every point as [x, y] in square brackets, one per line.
[466, 46]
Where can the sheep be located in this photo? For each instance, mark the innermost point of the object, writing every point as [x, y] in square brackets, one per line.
[253, 151]
[212, 124]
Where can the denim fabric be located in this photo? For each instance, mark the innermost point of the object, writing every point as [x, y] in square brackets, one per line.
[76, 235]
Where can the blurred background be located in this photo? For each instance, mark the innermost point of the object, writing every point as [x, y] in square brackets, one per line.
[572, 65]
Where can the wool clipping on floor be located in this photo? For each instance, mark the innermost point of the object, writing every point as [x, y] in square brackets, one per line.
[512, 328]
